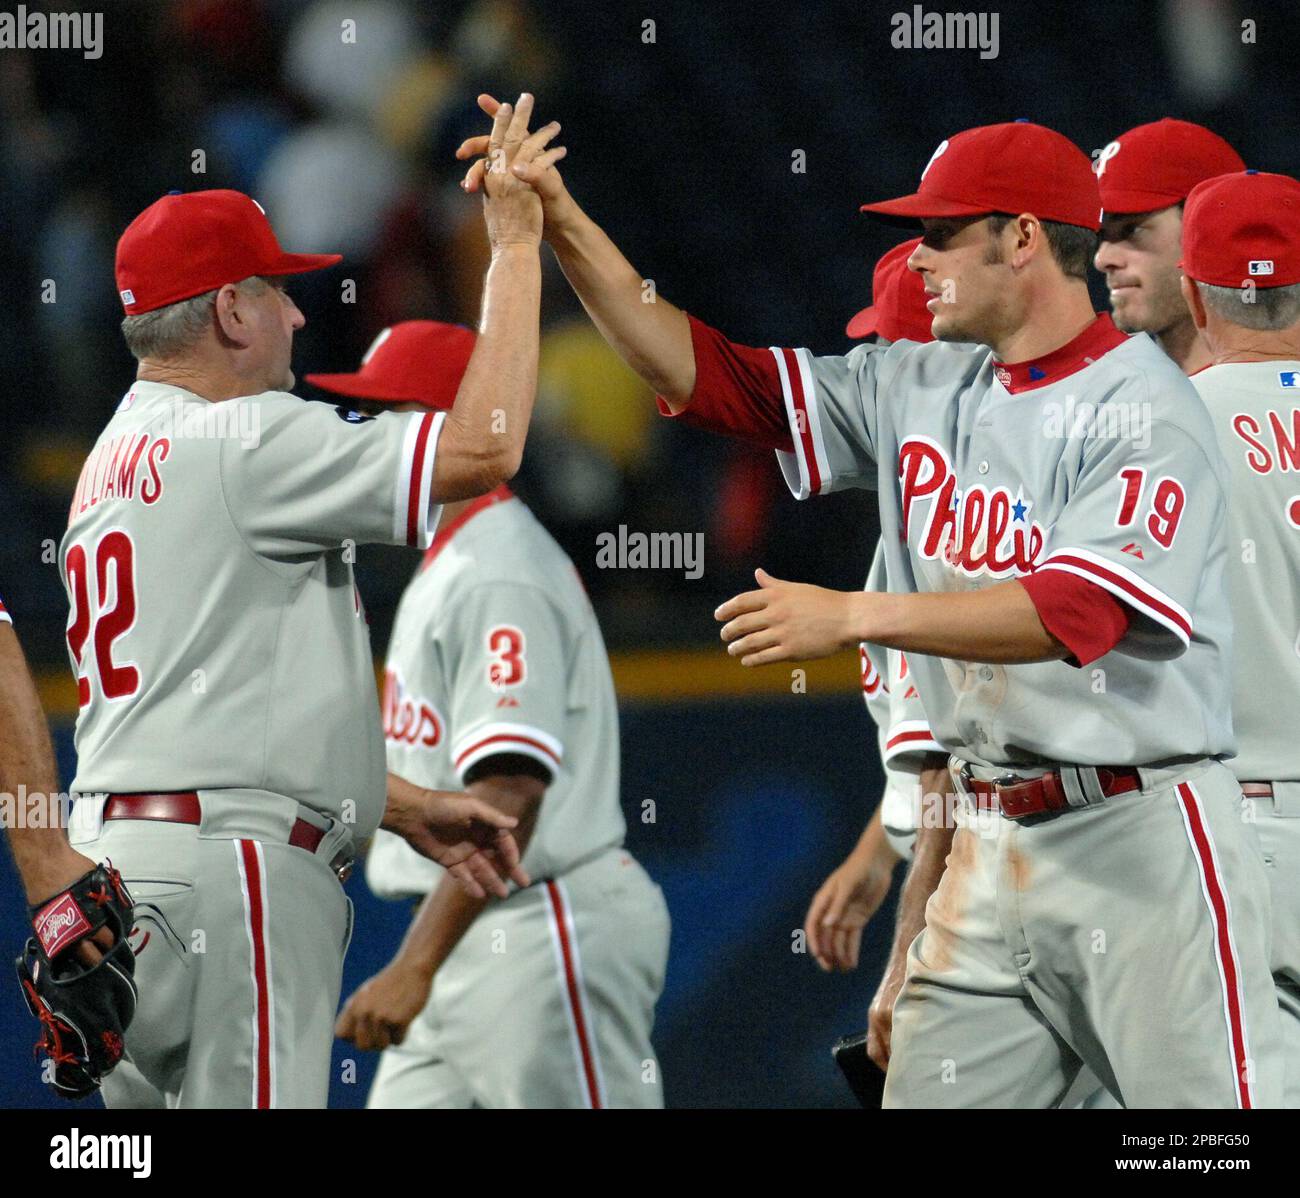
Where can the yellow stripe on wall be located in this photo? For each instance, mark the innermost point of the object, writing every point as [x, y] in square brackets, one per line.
[644, 676]
[649, 676]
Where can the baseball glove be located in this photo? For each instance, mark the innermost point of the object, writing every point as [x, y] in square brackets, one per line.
[84, 1010]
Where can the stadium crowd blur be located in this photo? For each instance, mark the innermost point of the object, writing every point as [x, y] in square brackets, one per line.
[725, 146]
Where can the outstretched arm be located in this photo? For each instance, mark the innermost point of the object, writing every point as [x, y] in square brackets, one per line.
[650, 334]
[794, 621]
[482, 441]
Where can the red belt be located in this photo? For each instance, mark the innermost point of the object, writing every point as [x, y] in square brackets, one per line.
[1257, 790]
[182, 807]
[1017, 797]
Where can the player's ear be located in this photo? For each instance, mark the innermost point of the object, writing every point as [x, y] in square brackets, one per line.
[232, 318]
[1030, 239]
[1192, 298]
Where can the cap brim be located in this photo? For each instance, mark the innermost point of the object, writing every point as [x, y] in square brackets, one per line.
[863, 324]
[1125, 203]
[357, 386]
[300, 264]
[919, 207]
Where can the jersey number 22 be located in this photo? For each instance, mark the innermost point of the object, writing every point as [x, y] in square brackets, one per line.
[103, 623]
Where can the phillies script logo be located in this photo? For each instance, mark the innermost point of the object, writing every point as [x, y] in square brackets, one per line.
[984, 531]
[60, 923]
[409, 720]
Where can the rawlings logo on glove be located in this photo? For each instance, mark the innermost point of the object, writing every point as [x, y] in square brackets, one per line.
[84, 1009]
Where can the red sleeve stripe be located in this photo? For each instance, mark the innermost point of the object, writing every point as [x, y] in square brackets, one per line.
[417, 483]
[5, 617]
[1125, 585]
[911, 736]
[805, 426]
[493, 739]
[412, 517]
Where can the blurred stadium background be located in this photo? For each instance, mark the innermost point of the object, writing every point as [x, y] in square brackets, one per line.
[684, 147]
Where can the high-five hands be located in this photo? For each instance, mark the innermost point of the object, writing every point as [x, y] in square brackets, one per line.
[512, 208]
[531, 164]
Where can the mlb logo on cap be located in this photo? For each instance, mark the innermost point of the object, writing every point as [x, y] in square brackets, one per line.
[1288, 378]
[1241, 227]
[128, 296]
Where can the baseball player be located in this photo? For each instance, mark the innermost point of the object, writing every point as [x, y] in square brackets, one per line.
[1144, 177]
[229, 742]
[1065, 621]
[1241, 270]
[497, 681]
[853, 892]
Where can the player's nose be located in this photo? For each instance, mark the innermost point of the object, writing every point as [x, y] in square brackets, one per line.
[1108, 256]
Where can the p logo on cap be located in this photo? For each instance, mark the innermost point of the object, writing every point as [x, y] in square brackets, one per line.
[939, 149]
[1099, 168]
[1013, 167]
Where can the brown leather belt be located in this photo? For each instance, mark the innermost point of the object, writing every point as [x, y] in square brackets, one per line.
[182, 807]
[1018, 798]
[1257, 790]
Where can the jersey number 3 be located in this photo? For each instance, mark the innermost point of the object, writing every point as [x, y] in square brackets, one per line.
[505, 657]
[112, 615]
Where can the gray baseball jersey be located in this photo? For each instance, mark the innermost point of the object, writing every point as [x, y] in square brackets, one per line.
[496, 649]
[1256, 410]
[1097, 460]
[549, 998]
[216, 632]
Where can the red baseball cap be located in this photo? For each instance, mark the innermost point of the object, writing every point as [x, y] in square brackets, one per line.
[1012, 168]
[1241, 227]
[191, 242]
[898, 296]
[416, 361]
[1157, 165]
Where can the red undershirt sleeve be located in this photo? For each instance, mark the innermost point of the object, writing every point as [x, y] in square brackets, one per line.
[1087, 619]
[737, 391]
